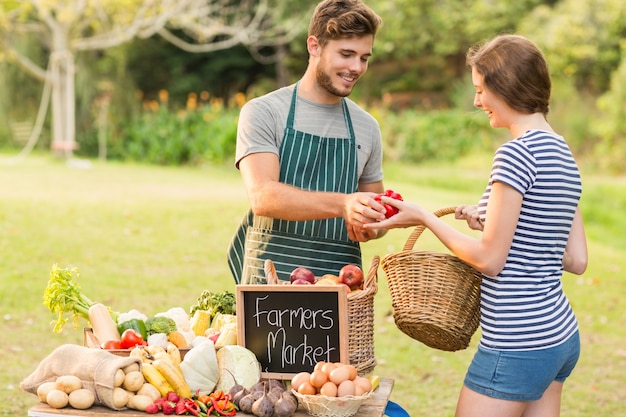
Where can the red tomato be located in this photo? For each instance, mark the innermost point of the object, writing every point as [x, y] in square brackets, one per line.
[112, 344]
[131, 338]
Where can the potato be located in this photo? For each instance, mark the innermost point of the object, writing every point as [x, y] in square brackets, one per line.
[82, 399]
[57, 398]
[131, 368]
[120, 397]
[44, 389]
[133, 381]
[119, 378]
[139, 402]
[69, 383]
[149, 390]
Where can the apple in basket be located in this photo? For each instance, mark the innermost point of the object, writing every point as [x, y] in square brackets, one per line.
[302, 276]
[352, 276]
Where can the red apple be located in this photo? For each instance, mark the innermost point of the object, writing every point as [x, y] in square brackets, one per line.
[352, 276]
[301, 281]
[302, 273]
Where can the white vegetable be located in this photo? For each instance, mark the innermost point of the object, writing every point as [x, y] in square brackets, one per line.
[158, 339]
[200, 368]
[198, 340]
[237, 365]
[132, 314]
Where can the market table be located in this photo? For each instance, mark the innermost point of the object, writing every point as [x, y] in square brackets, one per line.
[373, 407]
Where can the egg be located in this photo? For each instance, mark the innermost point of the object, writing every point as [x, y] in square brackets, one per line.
[339, 374]
[318, 378]
[307, 389]
[345, 388]
[319, 365]
[329, 389]
[364, 384]
[299, 378]
[328, 367]
[352, 371]
[358, 390]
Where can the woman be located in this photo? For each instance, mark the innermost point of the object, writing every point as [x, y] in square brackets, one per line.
[532, 231]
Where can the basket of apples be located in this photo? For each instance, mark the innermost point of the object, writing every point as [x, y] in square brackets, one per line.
[362, 287]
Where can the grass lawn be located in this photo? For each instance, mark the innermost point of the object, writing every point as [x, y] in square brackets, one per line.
[152, 238]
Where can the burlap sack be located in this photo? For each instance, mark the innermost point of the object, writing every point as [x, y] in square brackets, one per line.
[95, 367]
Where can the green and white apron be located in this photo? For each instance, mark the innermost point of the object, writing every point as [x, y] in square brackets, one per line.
[312, 163]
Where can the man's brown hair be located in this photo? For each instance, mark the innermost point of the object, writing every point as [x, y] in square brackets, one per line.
[340, 19]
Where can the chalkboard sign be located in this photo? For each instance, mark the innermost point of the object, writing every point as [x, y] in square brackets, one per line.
[292, 327]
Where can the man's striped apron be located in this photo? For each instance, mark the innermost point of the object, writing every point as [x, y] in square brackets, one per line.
[312, 163]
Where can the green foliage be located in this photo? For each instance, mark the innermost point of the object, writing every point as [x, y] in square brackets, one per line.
[581, 39]
[445, 135]
[193, 136]
[611, 152]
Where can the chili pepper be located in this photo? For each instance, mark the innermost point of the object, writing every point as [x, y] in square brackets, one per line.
[204, 399]
[191, 406]
[224, 409]
[217, 394]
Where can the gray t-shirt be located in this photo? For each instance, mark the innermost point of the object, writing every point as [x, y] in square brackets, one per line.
[262, 123]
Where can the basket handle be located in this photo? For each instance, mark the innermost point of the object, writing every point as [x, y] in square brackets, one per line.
[419, 229]
[372, 274]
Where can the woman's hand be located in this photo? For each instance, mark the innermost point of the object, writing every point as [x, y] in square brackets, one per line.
[469, 213]
[409, 215]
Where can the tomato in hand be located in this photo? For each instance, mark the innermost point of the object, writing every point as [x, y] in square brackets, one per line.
[131, 338]
[112, 344]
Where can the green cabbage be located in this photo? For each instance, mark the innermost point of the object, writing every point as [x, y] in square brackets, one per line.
[237, 365]
[200, 368]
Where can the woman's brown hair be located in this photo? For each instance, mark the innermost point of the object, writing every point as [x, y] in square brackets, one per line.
[514, 68]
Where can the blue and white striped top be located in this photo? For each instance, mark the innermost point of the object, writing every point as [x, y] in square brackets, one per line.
[524, 306]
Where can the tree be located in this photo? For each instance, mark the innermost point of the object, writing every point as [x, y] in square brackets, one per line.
[67, 27]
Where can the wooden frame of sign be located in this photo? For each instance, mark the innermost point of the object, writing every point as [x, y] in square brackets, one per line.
[292, 327]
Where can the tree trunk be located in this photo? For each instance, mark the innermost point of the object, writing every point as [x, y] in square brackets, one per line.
[63, 107]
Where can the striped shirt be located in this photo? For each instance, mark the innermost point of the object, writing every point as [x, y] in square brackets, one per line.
[524, 306]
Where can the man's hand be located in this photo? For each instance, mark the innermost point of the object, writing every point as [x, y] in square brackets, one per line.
[359, 209]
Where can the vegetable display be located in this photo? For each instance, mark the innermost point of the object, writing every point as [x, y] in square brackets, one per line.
[211, 378]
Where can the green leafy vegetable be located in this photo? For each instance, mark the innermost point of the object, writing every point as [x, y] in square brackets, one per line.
[223, 302]
[64, 295]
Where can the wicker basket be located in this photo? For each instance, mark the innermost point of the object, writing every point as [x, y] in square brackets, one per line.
[360, 318]
[323, 406]
[435, 296]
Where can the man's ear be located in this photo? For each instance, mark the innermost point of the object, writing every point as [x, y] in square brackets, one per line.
[313, 46]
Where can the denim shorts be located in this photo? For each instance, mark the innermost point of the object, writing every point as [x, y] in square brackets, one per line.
[521, 375]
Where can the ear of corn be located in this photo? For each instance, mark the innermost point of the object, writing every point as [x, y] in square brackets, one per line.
[156, 378]
[174, 375]
[200, 322]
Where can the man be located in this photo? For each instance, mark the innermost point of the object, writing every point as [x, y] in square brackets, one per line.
[311, 159]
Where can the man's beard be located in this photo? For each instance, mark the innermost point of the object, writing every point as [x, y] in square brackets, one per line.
[324, 81]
